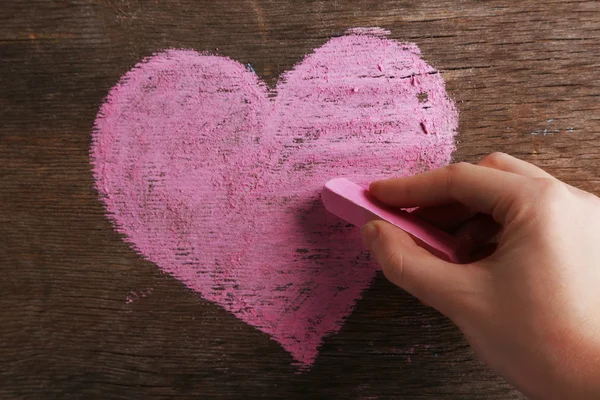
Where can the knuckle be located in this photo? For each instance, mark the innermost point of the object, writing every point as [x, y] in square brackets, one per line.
[495, 159]
[452, 171]
[551, 195]
[551, 189]
[458, 167]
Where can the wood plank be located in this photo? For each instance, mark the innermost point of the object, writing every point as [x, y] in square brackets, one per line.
[525, 75]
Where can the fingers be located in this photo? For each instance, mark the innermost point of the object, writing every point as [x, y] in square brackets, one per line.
[450, 216]
[447, 217]
[477, 232]
[508, 163]
[430, 279]
[485, 190]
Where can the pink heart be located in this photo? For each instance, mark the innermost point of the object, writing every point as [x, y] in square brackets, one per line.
[216, 179]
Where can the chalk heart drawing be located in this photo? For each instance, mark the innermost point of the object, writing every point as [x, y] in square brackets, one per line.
[216, 178]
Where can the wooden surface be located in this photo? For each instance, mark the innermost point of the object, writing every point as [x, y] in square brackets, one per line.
[526, 77]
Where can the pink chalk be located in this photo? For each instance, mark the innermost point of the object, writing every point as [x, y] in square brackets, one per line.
[216, 178]
[354, 204]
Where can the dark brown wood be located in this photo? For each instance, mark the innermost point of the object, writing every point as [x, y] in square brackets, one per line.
[526, 76]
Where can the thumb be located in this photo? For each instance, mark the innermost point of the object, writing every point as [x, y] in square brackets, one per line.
[414, 269]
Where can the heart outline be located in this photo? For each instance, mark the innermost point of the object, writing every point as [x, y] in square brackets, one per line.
[299, 331]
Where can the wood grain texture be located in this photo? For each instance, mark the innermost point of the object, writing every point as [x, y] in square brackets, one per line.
[526, 77]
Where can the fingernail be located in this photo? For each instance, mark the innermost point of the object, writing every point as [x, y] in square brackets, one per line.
[369, 234]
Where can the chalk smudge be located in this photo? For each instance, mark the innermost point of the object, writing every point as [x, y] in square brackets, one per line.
[136, 295]
[218, 183]
[546, 131]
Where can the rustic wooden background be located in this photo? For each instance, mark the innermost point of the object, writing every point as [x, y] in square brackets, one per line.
[526, 77]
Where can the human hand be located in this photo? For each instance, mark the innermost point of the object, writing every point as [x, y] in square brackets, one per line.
[530, 305]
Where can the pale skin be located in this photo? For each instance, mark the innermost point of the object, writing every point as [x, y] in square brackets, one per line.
[529, 301]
